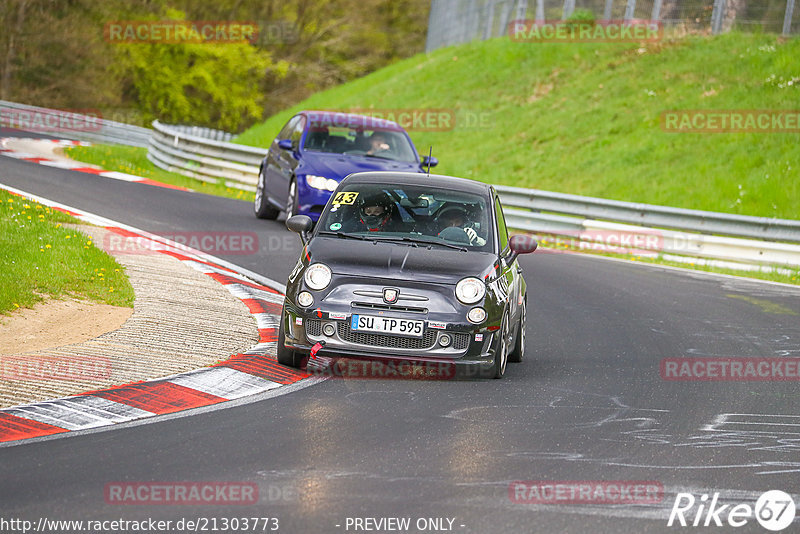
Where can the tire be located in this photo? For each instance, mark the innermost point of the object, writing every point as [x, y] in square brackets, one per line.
[291, 200]
[518, 353]
[285, 355]
[261, 206]
[501, 353]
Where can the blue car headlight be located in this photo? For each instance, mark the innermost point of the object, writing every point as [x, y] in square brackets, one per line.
[321, 183]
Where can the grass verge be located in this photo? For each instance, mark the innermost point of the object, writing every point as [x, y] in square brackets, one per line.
[133, 160]
[41, 258]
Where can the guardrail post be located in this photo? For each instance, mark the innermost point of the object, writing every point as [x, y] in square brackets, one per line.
[717, 15]
[630, 8]
[656, 15]
[487, 31]
[607, 11]
[540, 11]
[522, 9]
[787, 19]
[569, 8]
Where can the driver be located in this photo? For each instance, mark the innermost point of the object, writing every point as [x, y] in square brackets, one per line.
[379, 144]
[375, 212]
[456, 217]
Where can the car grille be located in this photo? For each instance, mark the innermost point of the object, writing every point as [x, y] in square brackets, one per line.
[382, 340]
[390, 307]
[314, 329]
[460, 341]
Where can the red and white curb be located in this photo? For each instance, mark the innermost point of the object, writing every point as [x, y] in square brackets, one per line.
[244, 374]
[73, 165]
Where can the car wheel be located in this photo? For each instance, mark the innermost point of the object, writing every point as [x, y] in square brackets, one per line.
[287, 356]
[261, 206]
[291, 201]
[519, 345]
[501, 351]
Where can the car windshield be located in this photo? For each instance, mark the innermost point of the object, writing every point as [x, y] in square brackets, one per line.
[414, 215]
[359, 138]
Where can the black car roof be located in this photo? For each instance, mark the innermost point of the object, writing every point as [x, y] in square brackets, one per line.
[413, 178]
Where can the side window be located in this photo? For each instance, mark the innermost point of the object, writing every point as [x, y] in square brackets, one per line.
[287, 128]
[297, 132]
[502, 231]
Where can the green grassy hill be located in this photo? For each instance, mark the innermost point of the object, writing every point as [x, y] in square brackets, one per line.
[584, 118]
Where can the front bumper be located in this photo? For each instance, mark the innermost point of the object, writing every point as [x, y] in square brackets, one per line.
[470, 345]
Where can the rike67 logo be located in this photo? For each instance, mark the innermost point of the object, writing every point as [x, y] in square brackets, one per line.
[774, 510]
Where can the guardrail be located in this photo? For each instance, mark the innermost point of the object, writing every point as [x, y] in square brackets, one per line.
[176, 149]
[708, 222]
[71, 125]
[593, 222]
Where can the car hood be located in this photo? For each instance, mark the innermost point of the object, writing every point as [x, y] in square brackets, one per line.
[399, 261]
[337, 165]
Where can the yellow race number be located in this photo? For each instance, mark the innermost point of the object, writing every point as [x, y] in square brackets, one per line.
[345, 197]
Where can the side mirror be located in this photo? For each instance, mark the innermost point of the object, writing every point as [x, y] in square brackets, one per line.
[285, 144]
[300, 224]
[429, 162]
[521, 244]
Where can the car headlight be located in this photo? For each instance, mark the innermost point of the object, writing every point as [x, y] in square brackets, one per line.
[318, 276]
[470, 290]
[321, 183]
[305, 299]
[476, 315]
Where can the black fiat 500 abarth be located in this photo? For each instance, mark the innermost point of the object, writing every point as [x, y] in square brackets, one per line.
[404, 266]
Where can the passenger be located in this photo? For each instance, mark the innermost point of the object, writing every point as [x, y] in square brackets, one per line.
[456, 217]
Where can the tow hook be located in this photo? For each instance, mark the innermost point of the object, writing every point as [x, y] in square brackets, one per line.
[316, 348]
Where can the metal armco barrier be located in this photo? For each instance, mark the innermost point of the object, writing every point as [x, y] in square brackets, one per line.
[68, 125]
[703, 234]
[173, 149]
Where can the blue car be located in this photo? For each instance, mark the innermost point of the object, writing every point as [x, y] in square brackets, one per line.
[315, 150]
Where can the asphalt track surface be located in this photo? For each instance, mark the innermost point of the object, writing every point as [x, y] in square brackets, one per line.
[588, 404]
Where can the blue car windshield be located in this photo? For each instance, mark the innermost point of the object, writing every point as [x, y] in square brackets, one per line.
[380, 143]
[414, 214]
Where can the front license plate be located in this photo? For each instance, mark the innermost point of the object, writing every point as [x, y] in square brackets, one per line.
[386, 325]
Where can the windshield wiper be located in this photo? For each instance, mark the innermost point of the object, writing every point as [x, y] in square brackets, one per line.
[405, 239]
[414, 240]
[347, 236]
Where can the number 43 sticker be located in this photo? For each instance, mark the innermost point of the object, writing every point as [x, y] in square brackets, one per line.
[345, 198]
